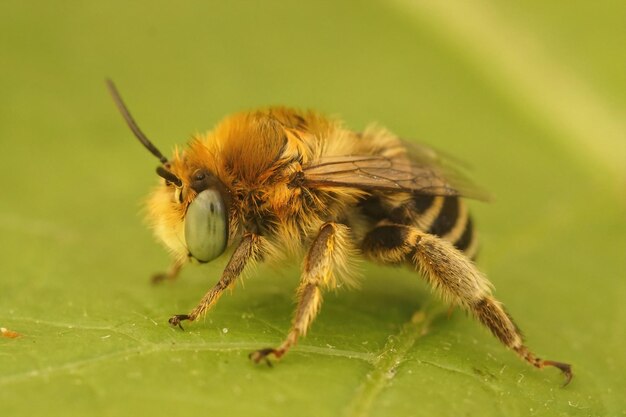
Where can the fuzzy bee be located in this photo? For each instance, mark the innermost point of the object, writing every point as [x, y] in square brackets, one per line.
[282, 182]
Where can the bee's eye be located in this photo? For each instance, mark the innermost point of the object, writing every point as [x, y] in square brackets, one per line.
[206, 226]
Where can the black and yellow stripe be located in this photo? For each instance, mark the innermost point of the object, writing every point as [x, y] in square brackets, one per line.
[449, 219]
[446, 217]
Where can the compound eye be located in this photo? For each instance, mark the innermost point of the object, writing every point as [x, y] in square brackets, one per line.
[206, 226]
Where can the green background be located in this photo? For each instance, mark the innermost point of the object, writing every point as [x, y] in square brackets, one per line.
[532, 96]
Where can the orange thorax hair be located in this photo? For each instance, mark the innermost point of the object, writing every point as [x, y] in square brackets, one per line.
[257, 157]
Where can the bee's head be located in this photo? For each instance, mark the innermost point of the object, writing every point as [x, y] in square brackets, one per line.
[189, 211]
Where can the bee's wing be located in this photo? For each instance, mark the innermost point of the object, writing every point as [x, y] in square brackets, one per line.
[416, 168]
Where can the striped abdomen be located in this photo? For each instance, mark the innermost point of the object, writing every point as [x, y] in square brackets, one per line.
[446, 217]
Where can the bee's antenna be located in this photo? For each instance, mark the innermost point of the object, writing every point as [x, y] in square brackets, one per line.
[168, 176]
[132, 124]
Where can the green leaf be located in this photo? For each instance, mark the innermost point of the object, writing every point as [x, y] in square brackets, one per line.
[532, 95]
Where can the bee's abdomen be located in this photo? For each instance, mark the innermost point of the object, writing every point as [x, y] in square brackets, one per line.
[448, 218]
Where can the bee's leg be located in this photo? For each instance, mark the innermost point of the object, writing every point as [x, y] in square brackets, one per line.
[248, 249]
[455, 277]
[327, 252]
[170, 274]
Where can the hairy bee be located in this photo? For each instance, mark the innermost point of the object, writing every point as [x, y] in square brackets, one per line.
[281, 181]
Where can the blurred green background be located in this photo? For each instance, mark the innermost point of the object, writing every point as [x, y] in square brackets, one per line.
[532, 95]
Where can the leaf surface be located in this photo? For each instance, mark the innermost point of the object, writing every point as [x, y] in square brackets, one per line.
[76, 258]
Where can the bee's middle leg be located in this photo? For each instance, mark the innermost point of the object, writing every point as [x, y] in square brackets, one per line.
[326, 252]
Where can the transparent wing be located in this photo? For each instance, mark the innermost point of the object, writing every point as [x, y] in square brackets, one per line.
[415, 168]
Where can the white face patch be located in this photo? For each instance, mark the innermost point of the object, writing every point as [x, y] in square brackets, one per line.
[178, 194]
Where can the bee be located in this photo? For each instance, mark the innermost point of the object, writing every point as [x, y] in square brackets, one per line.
[278, 182]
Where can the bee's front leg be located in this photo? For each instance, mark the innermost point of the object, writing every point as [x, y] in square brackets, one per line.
[171, 274]
[328, 250]
[248, 249]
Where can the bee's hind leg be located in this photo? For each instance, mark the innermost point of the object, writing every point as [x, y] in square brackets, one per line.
[328, 250]
[455, 277]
